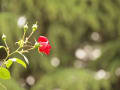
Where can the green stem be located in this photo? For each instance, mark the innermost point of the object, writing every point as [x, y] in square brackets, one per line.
[29, 37]
[6, 46]
[14, 52]
[10, 55]
[27, 46]
[30, 49]
[24, 36]
[17, 50]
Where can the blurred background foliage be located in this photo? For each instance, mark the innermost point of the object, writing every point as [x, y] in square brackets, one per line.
[85, 40]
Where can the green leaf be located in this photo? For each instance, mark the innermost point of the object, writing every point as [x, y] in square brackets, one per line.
[19, 61]
[27, 61]
[8, 63]
[4, 73]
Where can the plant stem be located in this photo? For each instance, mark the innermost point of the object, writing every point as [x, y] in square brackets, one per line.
[14, 52]
[24, 36]
[29, 37]
[6, 46]
[10, 55]
[17, 50]
[30, 49]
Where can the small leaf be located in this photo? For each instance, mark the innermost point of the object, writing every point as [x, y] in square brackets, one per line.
[4, 73]
[8, 63]
[27, 61]
[19, 61]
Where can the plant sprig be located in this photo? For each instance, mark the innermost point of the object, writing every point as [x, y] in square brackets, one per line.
[22, 45]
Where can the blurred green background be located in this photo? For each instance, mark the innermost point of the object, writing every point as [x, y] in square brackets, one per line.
[85, 40]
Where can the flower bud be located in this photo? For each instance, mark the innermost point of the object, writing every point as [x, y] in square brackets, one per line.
[20, 43]
[34, 27]
[4, 37]
[25, 27]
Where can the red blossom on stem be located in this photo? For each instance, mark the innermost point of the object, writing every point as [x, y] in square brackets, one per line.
[44, 45]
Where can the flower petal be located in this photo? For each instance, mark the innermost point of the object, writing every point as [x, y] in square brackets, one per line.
[42, 39]
[45, 46]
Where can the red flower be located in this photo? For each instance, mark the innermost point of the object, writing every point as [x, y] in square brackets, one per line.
[44, 45]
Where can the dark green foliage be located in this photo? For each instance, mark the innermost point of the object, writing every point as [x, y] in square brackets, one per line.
[3, 52]
[10, 85]
[71, 79]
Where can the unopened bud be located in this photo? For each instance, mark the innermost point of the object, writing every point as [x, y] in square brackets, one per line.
[25, 27]
[4, 37]
[20, 43]
[34, 27]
